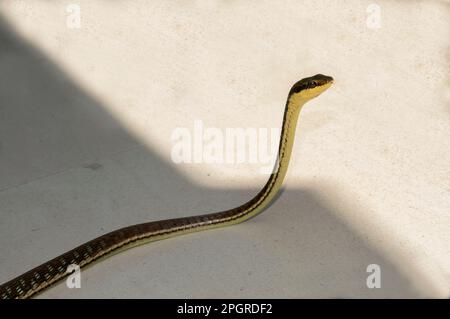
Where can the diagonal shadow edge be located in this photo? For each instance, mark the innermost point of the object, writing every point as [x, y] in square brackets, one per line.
[47, 121]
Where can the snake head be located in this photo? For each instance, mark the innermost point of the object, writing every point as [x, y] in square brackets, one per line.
[308, 88]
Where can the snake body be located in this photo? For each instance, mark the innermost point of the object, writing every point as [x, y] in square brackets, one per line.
[43, 276]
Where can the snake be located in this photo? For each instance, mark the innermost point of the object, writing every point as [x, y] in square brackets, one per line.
[44, 276]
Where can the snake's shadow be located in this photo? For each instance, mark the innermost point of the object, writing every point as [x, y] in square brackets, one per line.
[69, 172]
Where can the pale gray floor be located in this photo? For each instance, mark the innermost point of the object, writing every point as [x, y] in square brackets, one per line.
[367, 185]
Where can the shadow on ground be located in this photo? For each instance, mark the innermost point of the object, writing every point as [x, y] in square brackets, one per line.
[299, 247]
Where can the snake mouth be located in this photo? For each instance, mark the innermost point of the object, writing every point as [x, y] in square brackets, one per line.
[317, 80]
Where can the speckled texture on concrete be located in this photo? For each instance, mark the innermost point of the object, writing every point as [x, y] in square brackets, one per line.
[86, 117]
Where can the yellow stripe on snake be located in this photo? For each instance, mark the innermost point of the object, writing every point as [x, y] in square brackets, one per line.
[43, 276]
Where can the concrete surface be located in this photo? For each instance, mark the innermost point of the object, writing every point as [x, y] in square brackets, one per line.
[86, 117]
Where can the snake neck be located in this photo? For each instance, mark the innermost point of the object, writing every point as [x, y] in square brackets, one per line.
[287, 137]
[258, 203]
